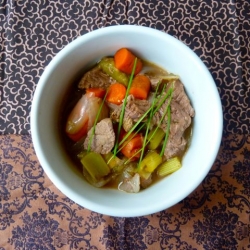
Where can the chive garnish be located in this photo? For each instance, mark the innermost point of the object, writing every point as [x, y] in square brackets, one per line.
[169, 93]
[167, 132]
[143, 116]
[122, 144]
[148, 122]
[123, 108]
[96, 119]
[168, 127]
[136, 124]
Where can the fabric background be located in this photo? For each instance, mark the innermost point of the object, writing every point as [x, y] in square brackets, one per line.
[36, 215]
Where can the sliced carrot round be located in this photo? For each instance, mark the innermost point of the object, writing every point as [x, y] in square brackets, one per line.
[140, 87]
[116, 93]
[124, 61]
[98, 92]
[130, 147]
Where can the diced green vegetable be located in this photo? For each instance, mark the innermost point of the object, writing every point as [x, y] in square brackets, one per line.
[150, 162]
[107, 64]
[155, 136]
[111, 160]
[95, 165]
[169, 167]
[144, 174]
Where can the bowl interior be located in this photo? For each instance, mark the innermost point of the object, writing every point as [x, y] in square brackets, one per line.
[166, 52]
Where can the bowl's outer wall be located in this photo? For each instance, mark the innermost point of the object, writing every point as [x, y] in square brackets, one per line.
[156, 47]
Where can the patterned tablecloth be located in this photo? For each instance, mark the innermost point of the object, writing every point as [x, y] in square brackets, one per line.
[36, 215]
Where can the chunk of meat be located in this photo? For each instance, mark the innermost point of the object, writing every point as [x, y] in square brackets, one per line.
[159, 76]
[130, 184]
[104, 138]
[180, 96]
[95, 78]
[134, 110]
[181, 117]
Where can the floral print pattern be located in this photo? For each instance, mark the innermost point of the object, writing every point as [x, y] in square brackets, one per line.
[36, 232]
[217, 230]
[35, 215]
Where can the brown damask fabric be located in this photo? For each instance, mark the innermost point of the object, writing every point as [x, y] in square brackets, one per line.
[34, 214]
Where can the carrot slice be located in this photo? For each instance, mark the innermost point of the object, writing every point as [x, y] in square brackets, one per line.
[124, 61]
[140, 87]
[116, 93]
[131, 146]
[98, 92]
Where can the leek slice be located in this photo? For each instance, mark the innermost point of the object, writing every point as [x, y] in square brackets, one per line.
[111, 160]
[95, 165]
[150, 162]
[169, 167]
[156, 136]
[107, 64]
[144, 174]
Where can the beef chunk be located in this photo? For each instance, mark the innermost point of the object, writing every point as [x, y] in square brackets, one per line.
[95, 78]
[160, 76]
[104, 138]
[134, 110]
[181, 114]
[180, 97]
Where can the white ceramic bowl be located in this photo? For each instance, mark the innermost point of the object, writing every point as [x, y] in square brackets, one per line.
[154, 46]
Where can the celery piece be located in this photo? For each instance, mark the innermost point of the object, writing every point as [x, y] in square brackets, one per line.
[155, 136]
[144, 174]
[107, 64]
[150, 162]
[95, 165]
[169, 167]
[111, 160]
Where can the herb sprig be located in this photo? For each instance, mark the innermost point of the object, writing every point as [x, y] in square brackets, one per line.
[123, 109]
[167, 110]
